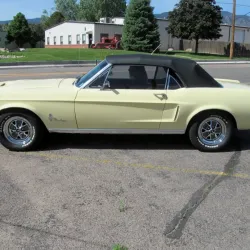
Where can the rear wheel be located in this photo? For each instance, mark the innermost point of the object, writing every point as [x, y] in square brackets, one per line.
[20, 131]
[211, 132]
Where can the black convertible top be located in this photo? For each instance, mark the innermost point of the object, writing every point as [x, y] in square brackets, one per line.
[191, 73]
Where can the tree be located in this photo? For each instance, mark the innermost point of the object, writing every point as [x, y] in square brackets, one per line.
[196, 19]
[69, 8]
[56, 18]
[4, 27]
[93, 10]
[44, 18]
[37, 34]
[87, 10]
[141, 31]
[110, 8]
[19, 30]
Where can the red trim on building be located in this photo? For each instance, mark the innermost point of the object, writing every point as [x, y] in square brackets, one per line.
[71, 46]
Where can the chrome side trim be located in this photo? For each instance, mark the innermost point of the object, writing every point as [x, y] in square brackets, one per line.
[116, 131]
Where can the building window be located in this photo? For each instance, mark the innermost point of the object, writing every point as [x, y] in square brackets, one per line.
[54, 40]
[78, 39]
[83, 38]
[47, 40]
[61, 40]
[69, 39]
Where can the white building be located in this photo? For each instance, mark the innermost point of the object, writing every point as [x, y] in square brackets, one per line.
[242, 34]
[77, 34]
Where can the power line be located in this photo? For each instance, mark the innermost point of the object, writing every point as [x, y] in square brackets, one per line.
[243, 5]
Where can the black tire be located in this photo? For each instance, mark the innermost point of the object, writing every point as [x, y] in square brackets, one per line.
[200, 145]
[37, 127]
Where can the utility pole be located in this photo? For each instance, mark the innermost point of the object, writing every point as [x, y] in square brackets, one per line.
[233, 30]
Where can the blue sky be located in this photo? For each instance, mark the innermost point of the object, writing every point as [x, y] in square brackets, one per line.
[34, 8]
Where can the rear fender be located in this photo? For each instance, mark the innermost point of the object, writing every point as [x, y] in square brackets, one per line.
[207, 108]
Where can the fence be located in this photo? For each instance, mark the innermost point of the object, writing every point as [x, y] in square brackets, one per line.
[216, 47]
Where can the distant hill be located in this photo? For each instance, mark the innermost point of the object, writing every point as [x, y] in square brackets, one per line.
[32, 20]
[240, 19]
[162, 15]
[227, 18]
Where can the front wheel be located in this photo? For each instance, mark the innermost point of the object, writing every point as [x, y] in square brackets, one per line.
[211, 132]
[20, 131]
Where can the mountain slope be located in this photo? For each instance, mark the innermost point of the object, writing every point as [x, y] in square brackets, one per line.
[241, 20]
[32, 20]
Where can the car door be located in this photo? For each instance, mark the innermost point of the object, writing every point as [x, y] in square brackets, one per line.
[135, 100]
[177, 105]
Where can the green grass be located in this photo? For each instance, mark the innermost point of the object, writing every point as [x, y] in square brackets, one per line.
[122, 206]
[33, 55]
[119, 247]
[201, 56]
[61, 54]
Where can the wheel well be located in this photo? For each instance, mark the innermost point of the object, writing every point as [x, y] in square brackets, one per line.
[213, 111]
[22, 110]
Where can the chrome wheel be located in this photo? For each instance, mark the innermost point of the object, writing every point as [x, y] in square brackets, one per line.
[212, 131]
[18, 130]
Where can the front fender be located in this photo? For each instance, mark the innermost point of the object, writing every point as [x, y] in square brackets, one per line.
[18, 105]
[52, 115]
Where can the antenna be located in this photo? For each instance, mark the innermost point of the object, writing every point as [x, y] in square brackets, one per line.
[156, 49]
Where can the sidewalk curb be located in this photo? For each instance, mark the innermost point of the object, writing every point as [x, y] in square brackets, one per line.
[224, 62]
[47, 66]
[55, 64]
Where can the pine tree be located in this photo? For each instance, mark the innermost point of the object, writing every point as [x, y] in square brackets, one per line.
[196, 19]
[19, 30]
[141, 31]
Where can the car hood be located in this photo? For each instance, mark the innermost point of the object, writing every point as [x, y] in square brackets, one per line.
[36, 84]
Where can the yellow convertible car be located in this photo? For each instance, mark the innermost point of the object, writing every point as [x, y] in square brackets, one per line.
[139, 94]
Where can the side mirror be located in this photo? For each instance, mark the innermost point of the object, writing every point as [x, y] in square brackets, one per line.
[106, 85]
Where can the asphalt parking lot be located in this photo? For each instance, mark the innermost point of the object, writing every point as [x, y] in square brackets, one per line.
[144, 192]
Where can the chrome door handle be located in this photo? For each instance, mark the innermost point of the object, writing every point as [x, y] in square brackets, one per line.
[161, 96]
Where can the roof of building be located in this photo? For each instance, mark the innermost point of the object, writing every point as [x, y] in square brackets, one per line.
[236, 26]
[84, 22]
[191, 73]
[115, 24]
[88, 22]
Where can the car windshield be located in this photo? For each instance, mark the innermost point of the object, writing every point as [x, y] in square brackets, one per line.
[91, 73]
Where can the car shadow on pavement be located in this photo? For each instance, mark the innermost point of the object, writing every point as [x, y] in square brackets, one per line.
[137, 142]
